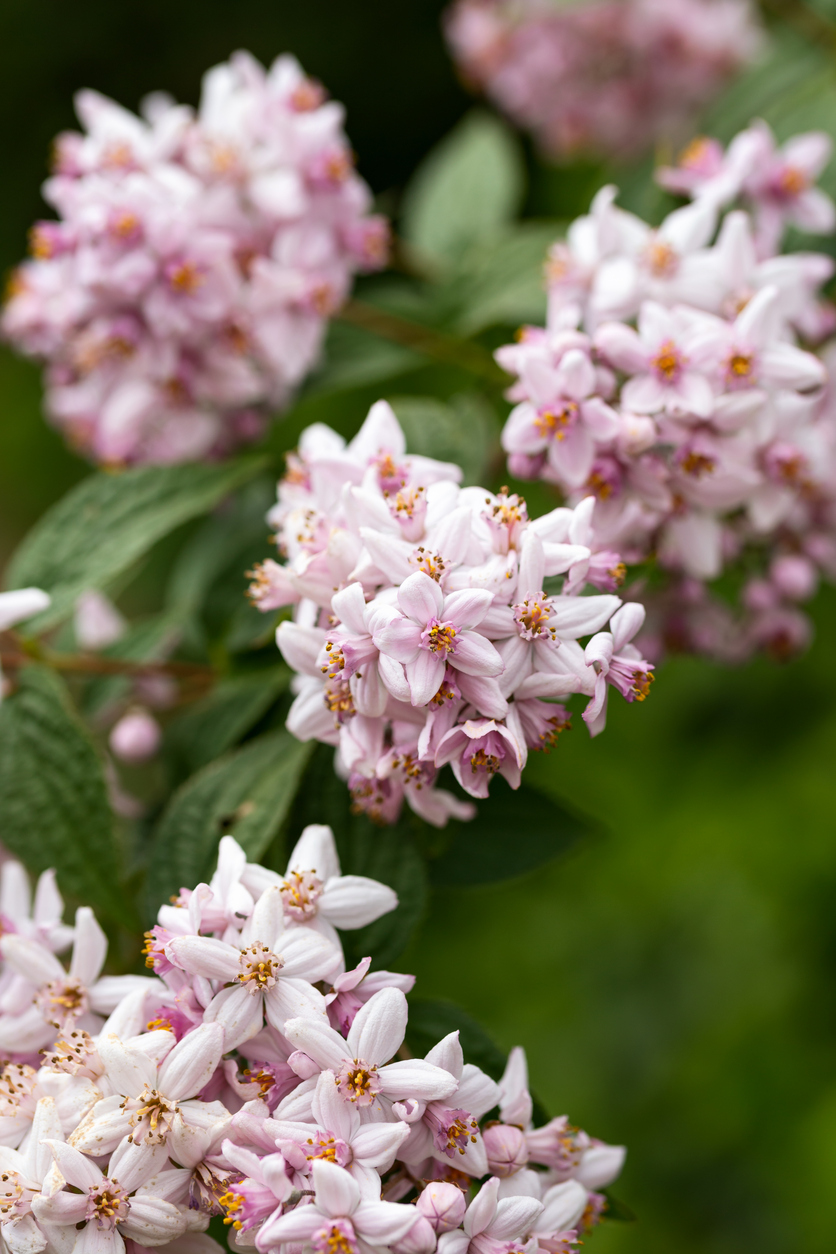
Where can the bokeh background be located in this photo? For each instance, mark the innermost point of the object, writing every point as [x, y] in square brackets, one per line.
[673, 979]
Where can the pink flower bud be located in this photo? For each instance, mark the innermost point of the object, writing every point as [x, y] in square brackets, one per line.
[98, 623]
[506, 1149]
[443, 1205]
[794, 577]
[637, 434]
[419, 1240]
[136, 737]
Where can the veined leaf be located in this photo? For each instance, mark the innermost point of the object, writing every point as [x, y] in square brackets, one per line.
[513, 832]
[213, 725]
[469, 187]
[431, 1020]
[54, 810]
[247, 794]
[100, 528]
[464, 431]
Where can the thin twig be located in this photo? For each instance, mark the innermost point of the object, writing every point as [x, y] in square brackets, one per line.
[426, 340]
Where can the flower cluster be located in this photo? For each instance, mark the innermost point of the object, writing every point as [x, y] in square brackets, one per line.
[436, 624]
[719, 448]
[252, 1076]
[186, 286]
[610, 76]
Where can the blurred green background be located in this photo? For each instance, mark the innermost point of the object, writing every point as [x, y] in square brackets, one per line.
[672, 980]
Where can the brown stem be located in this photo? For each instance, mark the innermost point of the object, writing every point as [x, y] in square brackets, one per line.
[426, 340]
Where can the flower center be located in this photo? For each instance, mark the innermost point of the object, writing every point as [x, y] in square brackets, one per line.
[430, 563]
[74, 1055]
[260, 968]
[16, 1084]
[452, 1129]
[668, 362]
[438, 637]
[338, 698]
[12, 1201]
[697, 464]
[61, 1001]
[299, 895]
[447, 692]
[662, 260]
[532, 617]
[740, 368]
[332, 1149]
[184, 277]
[641, 684]
[152, 1116]
[554, 423]
[792, 181]
[107, 1204]
[358, 1082]
[481, 760]
[337, 1237]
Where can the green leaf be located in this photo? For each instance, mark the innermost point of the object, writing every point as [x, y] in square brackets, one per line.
[247, 794]
[465, 431]
[150, 640]
[216, 722]
[54, 810]
[431, 1020]
[513, 832]
[505, 284]
[109, 521]
[469, 187]
[354, 358]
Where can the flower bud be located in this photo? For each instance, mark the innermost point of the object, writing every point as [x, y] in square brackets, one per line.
[794, 577]
[443, 1205]
[136, 737]
[638, 433]
[506, 1149]
[98, 623]
[419, 1240]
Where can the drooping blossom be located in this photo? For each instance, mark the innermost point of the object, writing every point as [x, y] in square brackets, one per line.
[136, 1131]
[435, 624]
[183, 293]
[608, 76]
[720, 449]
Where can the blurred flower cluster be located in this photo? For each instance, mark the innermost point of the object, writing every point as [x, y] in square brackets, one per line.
[185, 288]
[671, 382]
[252, 1076]
[436, 624]
[607, 76]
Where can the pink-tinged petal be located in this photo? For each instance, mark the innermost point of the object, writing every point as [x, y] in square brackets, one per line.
[518, 660]
[482, 1209]
[483, 692]
[379, 1027]
[573, 456]
[61, 1209]
[416, 1079]
[758, 323]
[809, 152]
[203, 955]
[291, 998]
[600, 1165]
[89, 948]
[475, 655]
[424, 675]
[369, 691]
[152, 1221]
[239, 1013]
[477, 1092]
[600, 418]
[133, 1165]
[466, 608]
[621, 346]
[297, 1226]
[354, 901]
[394, 677]
[337, 1193]
[626, 623]
[694, 394]
[498, 623]
[307, 955]
[76, 1169]
[548, 685]
[514, 1216]
[600, 650]
[382, 1223]
[520, 433]
[31, 960]
[376, 1144]
[790, 367]
[399, 639]
[456, 1242]
[576, 374]
[532, 566]
[563, 1205]
[103, 1128]
[814, 211]
[128, 1070]
[380, 433]
[644, 394]
[300, 646]
[595, 714]
[420, 597]
[266, 923]
[193, 1061]
[316, 851]
[581, 616]
[318, 1040]
[389, 553]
